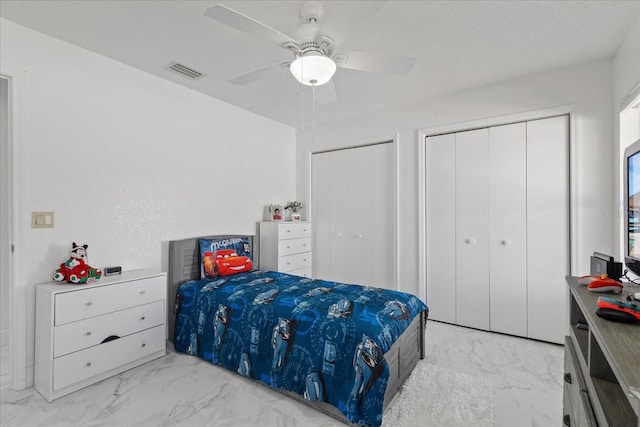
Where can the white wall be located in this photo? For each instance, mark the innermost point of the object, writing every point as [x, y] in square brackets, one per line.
[128, 161]
[587, 87]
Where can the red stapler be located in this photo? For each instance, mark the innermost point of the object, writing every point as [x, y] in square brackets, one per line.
[601, 283]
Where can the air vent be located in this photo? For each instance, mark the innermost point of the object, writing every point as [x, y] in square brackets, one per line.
[185, 71]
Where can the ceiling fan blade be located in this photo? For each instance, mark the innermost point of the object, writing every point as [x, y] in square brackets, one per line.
[375, 62]
[260, 73]
[246, 24]
[326, 94]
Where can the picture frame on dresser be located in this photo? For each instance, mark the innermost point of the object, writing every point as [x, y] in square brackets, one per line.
[276, 212]
[87, 333]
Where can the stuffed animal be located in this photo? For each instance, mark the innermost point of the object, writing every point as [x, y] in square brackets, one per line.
[75, 269]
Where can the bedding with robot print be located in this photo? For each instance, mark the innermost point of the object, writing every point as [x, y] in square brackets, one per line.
[322, 340]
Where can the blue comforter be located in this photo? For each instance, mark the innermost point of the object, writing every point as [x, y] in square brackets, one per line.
[322, 340]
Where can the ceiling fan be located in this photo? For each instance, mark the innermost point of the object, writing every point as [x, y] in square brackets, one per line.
[316, 54]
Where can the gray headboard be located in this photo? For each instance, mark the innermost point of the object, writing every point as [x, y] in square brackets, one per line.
[184, 265]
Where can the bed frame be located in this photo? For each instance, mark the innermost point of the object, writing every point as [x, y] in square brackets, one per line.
[184, 265]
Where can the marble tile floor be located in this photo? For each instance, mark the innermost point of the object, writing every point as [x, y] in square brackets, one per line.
[181, 390]
[4, 365]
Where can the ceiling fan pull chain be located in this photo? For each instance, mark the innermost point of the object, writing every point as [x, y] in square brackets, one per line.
[302, 104]
[313, 112]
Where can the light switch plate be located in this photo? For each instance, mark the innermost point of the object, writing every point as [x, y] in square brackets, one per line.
[41, 219]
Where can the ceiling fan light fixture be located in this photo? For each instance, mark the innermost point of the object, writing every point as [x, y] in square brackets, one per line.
[313, 70]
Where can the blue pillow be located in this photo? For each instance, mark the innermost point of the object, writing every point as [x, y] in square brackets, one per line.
[224, 256]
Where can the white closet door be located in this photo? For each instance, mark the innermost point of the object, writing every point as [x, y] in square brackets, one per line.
[321, 215]
[472, 228]
[441, 227]
[548, 227]
[353, 199]
[341, 251]
[508, 228]
[382, 230]
[357, 265]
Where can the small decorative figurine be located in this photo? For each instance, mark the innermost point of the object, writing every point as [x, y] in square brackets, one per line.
[75, 269]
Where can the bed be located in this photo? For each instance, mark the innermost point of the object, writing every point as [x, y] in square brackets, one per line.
[317, 352]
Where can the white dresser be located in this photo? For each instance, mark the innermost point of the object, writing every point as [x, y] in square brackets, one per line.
[86, 333]
[286, 247]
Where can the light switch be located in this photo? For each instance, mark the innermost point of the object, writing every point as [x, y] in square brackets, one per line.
[41, 219]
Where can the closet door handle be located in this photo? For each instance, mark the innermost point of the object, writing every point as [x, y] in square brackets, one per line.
[470, 241]
[567, 378]
[505, 242]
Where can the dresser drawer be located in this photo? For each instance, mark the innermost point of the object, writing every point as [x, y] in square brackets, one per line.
[294, 262]
[304, 272]
[294, 246]
[576, 399]
[294, 230]
[85, 303]
[82, 365]
[86, 333]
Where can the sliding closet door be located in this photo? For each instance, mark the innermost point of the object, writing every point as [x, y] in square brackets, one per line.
[353, 203]
[508, 229]
[382, 223]
[321, 215]
[441, 227]
[548, 227]
[343, 192]
[472, 228]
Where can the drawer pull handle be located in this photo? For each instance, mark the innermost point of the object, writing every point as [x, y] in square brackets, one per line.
[566, 420]
[110, 338]
[144, 345]
[582, 326]
[143, 292]
[567, 378]
[88, 364]
[88, 303]
[142, 318]
[288, 247]
[88, 334]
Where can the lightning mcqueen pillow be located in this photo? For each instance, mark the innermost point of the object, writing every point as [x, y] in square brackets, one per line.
[224, 256]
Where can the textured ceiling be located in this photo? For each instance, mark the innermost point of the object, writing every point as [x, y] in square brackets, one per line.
[458, 44]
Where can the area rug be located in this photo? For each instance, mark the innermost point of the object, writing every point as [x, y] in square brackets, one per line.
[441, 397]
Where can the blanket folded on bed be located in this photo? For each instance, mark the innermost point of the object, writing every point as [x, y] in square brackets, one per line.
[320, 339]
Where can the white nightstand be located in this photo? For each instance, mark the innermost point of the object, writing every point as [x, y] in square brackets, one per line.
[286, 247]
[86, 333]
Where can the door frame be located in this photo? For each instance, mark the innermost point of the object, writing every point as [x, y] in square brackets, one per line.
[17, 290]
[481, 123]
